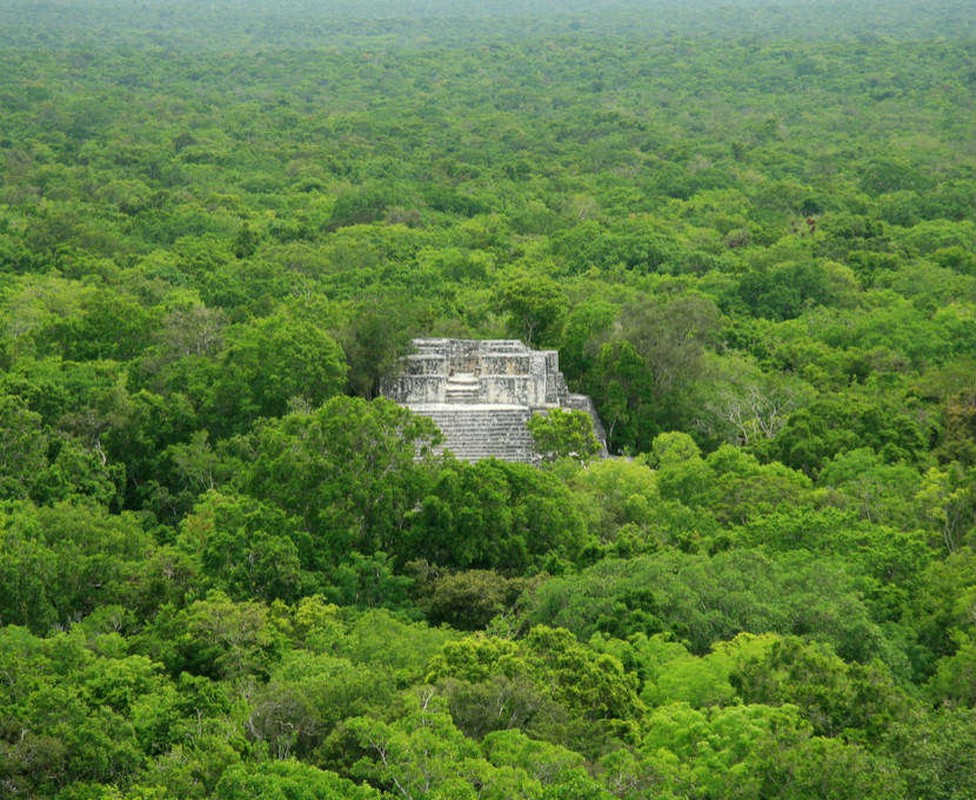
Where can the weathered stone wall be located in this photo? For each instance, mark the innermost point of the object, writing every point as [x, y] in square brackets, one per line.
[481, 393]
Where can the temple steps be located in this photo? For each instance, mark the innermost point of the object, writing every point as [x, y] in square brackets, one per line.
[472, 433]
[463, 388]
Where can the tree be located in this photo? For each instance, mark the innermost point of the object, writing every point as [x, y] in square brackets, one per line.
[954, 682]
[216, 638]
[700, 599]
[287, 780]
[192, 331]
[497, 515]
[749, 407]
[660, 353]
[417, 755]
[671, 338]
[716, 752]
[470, 599]
[309, 694]
[561, 433]
[377, 335]
[622, 389]
[834, 697]
[61, 562]
[932, 751]
[560, 770]
[830, 769]
[246, 548]
[592, 685]
[348, 470]
[23, 447]
[536, 305]
[947, 499]
[271, 363]
[360, 206]
[785, 291]
[625, 495]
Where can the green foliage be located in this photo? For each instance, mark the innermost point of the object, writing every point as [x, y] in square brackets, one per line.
[308, 695]
[751, 238]
[622, 388]
[931, 748]
[497, 515]
[215, 638]
[564, 434]
[785, 291]
[555, 658]
[49, 466]
[375, 338]
[422, 753]
[347, 470]
[626, 497]
[246, 548]
[954, 682]
[470, 599]
[272, 364]
[287, 780]
[834, 697]
[62, 562]
[701, 599]
[536, 305]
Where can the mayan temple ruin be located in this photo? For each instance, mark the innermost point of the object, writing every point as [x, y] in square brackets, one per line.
[480, 393]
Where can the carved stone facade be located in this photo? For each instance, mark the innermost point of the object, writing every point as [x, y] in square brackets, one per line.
[482, 392]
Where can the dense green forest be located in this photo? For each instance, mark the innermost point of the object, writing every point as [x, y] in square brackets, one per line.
[228, 569]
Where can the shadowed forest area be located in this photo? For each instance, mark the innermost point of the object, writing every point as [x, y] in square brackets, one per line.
[229, 569]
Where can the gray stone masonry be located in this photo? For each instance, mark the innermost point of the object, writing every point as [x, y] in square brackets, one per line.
[480, 393]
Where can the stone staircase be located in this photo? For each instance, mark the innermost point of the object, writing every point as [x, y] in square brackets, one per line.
[477, 432]
[463, 387]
